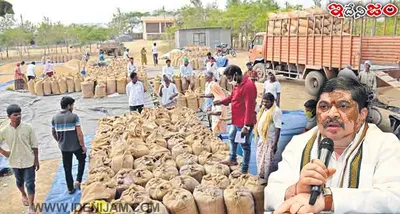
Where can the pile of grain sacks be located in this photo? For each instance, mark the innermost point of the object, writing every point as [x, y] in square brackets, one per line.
[55, 85]
[167, 159]
[60, 58]
[279, 23]
[195, 54]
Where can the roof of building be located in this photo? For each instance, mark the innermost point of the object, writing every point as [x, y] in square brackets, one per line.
[157, 18]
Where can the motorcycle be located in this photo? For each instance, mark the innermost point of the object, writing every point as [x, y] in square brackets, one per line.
[223, 50]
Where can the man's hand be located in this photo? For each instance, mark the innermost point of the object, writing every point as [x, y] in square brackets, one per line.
[217, 103]
[299, 204]
[36, 164]
[245, 132]
[314, 173]
[4, 153]
[84, 149]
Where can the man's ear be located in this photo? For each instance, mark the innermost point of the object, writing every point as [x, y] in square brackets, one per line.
[364, 113]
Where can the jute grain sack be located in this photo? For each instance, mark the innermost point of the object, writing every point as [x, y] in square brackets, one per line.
[205, 157]
[181, 101]
[139, 150]
[165, 160]
[180, 201]
[192, 102]
[152, 206]
[194, 170]
[70, 84]
[180, 149]
[46, 86]
[224, 82]
[178, 83]
[124, 179]
[239, 201]
[158, 188]
[121, 85]
[156, 137]
[257, 190]
[39, 88]
[157, 83]
[111, 86]
[185, 182]
[97, 191]
[217, 168]
[100, 174]
[77, 82]
[55, 89]
[234, 178]
[142, 176]
[87, 89]
[156, 149]
[145, 162]
[62, 84]
[124, 161]
[209, 199]
[134, 195]
[186, 159]
[202, 82]
[218, 180]
[165, 172]
[100, 91]
[199, 146]
[31, 87]
[174, 141]
[219, 146]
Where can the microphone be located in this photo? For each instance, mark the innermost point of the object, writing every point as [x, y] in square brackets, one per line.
[324, 154]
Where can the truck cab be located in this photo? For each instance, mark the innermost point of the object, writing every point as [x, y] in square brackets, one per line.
[256, 53]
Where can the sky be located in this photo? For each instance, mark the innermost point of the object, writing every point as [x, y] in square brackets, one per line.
[100, 11]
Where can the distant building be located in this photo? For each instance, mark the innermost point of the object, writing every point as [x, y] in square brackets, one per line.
[154, 26]
[210, 37]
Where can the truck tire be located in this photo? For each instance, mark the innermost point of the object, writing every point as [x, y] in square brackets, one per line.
[374, 116]
[260, 68]
[314, 81]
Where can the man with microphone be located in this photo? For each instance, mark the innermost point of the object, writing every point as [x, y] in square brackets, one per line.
[360, 176]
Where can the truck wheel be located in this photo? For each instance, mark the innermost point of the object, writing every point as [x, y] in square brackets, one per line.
[314, 81]
[260, 68]
[374, 116]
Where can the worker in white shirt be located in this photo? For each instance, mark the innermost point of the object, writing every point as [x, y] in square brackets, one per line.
[360, 177]
[211, 66]
[168, 69]
[168, 92]
[131, 66]
[154, 50]
[274, 87]
[367, 77]
[187, 75]
[30, 71]
[135, 91]
[126, 54]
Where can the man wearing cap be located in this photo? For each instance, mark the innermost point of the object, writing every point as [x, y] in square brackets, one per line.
[187, 75]
[367, 77]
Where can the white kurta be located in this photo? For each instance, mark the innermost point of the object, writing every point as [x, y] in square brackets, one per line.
[379, 187]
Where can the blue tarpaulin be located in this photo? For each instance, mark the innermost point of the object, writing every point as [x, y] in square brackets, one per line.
[58, 197]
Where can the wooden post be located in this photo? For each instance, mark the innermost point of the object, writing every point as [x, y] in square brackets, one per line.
[360, 49]
[395, 25]
[266, 42]
[384, 26]
[313, 57]
[331, 48]
[280, 44]
[288, 43]
[322, 42]
[273, 47]
[308, 20]
[374, 28]
[297, 39]
[341, 44]
[351, 42]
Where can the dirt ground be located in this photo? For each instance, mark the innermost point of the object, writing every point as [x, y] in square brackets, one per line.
[292, 98]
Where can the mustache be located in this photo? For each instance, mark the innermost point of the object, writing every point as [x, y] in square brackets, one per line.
[333, 120]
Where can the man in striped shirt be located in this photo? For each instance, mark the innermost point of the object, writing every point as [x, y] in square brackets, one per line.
[66, 130]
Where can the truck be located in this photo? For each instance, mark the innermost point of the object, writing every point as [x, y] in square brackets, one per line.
[317, 55]
[112, 48]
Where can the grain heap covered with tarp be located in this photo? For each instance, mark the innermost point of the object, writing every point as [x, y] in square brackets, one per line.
[169, 159]
[310, 21]
[195, 54]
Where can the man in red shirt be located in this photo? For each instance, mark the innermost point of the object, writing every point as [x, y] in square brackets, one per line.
[243, 101]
